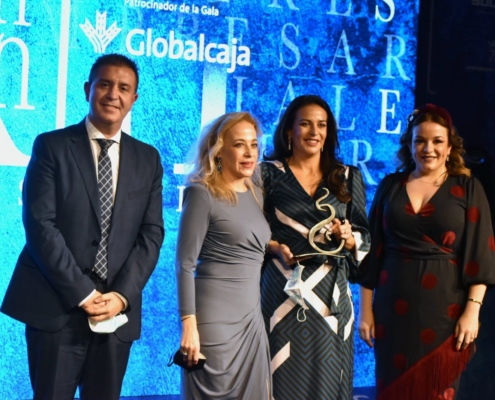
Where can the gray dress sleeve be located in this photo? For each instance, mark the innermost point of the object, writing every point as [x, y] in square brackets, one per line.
[193, 226]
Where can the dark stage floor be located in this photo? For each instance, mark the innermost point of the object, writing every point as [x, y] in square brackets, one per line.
[358, 394]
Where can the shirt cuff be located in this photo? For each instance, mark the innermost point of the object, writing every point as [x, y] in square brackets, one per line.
[359, 255]
[124, 300]
[87, 298]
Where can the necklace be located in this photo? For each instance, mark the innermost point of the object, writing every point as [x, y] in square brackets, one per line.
[436, 182]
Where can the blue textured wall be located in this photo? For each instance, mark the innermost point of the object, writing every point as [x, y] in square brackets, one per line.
[358, 55]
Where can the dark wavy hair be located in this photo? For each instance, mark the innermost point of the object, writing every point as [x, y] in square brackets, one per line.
[332, 169]
[430, 112]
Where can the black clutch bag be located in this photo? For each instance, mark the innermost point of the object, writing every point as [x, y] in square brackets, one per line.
[179, 359]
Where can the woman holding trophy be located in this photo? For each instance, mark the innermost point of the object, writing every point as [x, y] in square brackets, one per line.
[316, 209]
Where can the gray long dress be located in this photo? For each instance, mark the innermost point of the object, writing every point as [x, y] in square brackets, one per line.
[224, 245]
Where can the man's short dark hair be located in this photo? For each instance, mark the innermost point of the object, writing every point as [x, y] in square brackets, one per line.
[116, 60]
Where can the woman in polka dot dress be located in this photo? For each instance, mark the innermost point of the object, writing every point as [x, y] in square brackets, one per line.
[432, 257]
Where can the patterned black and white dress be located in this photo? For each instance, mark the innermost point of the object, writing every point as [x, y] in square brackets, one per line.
[311, 359]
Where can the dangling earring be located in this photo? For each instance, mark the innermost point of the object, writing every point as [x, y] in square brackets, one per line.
[447, 158]
[322, 149]
[290, 142]
[219, 165]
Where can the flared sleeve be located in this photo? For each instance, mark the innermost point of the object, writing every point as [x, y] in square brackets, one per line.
[478, 259]
[356, 214]
[371, 265]
[193, 226]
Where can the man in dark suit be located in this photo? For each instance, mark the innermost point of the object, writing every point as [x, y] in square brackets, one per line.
[92, 212]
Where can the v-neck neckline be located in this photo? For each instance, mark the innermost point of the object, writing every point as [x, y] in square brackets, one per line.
[287, 168]
[429, 200]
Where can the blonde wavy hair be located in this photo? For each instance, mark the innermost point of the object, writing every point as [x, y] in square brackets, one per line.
[209, 144]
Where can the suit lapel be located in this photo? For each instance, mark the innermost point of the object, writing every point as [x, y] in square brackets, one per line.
[81, 150]
[127, 170]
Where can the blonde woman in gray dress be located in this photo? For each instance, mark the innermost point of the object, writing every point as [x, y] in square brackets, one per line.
[222, 238]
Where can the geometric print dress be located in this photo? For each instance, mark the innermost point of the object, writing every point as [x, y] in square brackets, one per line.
[421, 266]
[312, 359]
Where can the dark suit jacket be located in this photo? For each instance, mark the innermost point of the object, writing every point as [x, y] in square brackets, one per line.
[61, 216]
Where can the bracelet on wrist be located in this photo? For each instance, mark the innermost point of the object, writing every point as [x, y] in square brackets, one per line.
[475, 301]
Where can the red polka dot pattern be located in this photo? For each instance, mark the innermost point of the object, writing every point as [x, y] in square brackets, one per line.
[429, 281]
[446, 249]
[383, 278]
[473, 214]
[449, 394]
[454, 311]
[428, 336]
[491, 243]
[401, 307]
[454, 261]
[428, 210]
[400, 361]
[448, 238]
[472, 268]
[380, 331]
[409, 209]
[428, 239]
[457, 191]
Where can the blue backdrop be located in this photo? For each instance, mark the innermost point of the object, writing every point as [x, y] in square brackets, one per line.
[197, 60]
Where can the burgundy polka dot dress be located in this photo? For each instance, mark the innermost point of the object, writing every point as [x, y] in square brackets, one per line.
[421, 266]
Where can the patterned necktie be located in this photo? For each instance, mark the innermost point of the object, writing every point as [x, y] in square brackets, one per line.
[106, 205]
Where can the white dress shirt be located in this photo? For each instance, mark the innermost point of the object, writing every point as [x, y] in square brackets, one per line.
[113, 152]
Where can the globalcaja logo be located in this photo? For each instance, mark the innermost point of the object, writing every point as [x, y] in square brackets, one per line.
[100, 36]
[140, 42]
